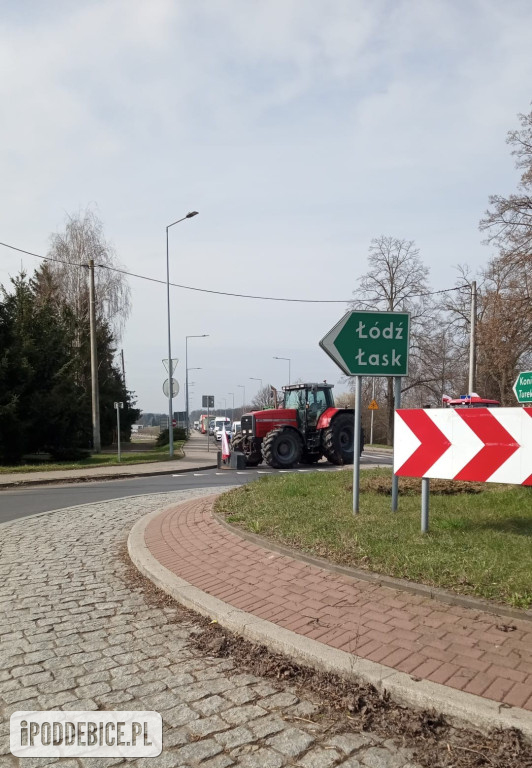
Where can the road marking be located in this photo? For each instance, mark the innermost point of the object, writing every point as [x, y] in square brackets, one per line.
[263, 472]
[377, 455]
[242, 473]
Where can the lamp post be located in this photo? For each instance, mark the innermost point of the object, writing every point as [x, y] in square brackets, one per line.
[196, 336]
[170, 366]
[225, 406]
[243, 396]
[233, 408]
[284, 358]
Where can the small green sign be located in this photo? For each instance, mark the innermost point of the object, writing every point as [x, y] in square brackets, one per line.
[370, 343]
[523, 387]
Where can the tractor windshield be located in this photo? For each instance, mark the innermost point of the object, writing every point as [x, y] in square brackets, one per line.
[314, 396]
[294, 399]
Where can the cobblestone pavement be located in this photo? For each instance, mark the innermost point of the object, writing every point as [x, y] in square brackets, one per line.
[74, 635]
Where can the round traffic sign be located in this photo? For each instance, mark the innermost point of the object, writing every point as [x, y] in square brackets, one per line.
[174, 423]
[175, 388]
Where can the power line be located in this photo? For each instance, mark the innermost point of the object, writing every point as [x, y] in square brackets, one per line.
[219, 293]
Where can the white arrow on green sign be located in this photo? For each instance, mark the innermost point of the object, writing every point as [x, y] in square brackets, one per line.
[523, 387]
[370, 343]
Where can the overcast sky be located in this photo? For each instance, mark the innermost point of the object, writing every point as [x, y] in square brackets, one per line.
[299, 129]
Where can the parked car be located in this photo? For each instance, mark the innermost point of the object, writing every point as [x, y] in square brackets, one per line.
[228, 432]
[218, 426]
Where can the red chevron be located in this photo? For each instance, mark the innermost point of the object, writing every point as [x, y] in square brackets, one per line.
[433, 443]
[528, 481]
[498, 444]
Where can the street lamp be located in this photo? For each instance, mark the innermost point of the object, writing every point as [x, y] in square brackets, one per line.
[225, 406]
[253, 378]
[233, 408]
[196, 336]
[284, 358]
[170, 371]
[243, 396]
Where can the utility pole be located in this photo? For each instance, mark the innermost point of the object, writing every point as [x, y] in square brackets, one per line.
[473, 339]
[96, 444]
[123, 368]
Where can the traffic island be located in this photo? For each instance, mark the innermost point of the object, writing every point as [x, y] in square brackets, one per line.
[334, 623]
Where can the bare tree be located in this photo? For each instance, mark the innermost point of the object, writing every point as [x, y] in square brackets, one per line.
[397, 281]
[83, 239]
[505, 329]
[263, 399]
[508, 223]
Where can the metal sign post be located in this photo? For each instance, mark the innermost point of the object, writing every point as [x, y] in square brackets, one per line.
[118, 406]
[372, 407]
[396, 405]
[356, 454]
[425, 496]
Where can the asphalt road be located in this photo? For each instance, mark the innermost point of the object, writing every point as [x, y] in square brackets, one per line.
[17, 503]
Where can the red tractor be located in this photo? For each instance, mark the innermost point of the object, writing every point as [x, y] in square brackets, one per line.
[306, 427]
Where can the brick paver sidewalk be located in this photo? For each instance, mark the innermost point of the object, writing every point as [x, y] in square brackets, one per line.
[466, 649]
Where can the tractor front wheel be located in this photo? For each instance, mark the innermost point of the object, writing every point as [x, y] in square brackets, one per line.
[236, 444]
[338, 440]
[253, 459]
[282, 448]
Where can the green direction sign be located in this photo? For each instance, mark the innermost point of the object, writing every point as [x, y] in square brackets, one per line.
[370, 343]
[523, 387]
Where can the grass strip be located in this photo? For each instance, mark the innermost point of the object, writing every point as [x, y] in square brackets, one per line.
[99, 460]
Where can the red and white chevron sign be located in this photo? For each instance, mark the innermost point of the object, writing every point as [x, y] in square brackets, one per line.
[480, 444]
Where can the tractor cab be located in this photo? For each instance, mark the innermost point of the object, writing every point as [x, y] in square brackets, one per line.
[310, 401]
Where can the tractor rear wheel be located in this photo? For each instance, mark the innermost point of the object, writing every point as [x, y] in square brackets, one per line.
[338, 440]
[282, 448]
